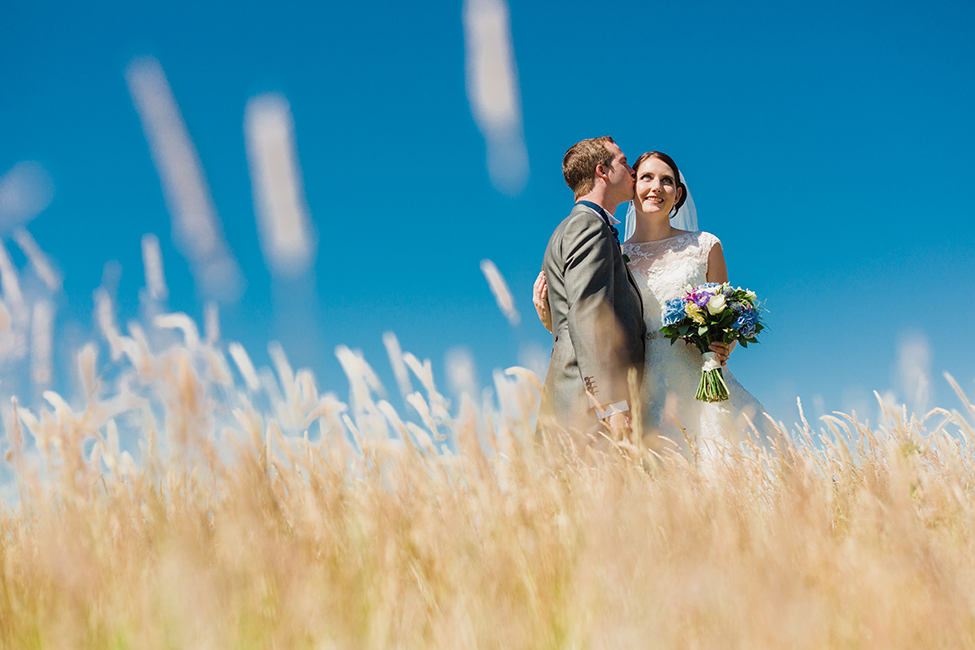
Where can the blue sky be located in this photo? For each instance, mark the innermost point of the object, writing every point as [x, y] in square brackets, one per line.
[829, 146]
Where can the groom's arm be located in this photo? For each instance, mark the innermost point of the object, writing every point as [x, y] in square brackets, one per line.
[593, 329]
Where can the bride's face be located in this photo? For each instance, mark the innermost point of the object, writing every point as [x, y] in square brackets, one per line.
[656, 187]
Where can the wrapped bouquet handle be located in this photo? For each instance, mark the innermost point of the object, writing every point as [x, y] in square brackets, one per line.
[712, 387]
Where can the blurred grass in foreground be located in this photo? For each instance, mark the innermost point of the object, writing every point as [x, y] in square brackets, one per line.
[284, 518]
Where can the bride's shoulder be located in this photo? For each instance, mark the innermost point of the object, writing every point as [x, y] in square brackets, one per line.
[706, 239]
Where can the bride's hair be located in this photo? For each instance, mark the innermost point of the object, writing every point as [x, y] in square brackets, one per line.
[677, 177]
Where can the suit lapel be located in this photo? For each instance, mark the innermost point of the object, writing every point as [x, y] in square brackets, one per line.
[619, 251]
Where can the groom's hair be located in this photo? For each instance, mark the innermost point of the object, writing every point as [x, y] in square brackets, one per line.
[579, 163]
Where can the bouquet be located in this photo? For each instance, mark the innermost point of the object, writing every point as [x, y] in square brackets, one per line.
[710, 313]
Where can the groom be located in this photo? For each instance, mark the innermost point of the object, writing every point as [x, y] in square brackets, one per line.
[598, 330]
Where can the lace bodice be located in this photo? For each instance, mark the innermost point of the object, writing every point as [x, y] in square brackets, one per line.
[663, 268]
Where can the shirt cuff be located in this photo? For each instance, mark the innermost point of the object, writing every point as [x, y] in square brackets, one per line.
[612, 409]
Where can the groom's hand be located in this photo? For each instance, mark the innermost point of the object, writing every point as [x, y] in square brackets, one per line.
[619, 425]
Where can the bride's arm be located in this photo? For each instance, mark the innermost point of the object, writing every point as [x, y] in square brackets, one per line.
[717, 269]
[718, 272]
[540, 300]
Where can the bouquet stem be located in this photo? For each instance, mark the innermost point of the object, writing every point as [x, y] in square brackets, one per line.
[712, 387]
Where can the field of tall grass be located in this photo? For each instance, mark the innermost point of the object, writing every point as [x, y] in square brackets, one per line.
[187, 500]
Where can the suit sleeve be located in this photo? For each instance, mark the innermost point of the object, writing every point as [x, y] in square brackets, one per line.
[590, 271]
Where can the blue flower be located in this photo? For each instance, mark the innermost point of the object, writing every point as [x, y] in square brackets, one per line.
[746, 322]
[674, 311]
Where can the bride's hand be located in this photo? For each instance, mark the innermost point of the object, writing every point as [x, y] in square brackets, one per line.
[723, 351]
[540, 300]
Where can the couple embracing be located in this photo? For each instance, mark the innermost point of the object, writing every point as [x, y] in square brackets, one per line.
[603, 303]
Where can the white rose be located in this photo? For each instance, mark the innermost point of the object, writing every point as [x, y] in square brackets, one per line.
[750, 294]
[716, 305]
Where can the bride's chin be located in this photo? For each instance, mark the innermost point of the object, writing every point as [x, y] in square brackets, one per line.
[652, 210]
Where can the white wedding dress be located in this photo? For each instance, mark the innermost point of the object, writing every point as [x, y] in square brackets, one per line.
[663, 269]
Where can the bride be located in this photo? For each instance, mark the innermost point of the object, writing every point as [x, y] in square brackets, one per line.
[664, 260]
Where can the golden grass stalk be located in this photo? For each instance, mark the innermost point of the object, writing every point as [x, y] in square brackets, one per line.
[174, 511]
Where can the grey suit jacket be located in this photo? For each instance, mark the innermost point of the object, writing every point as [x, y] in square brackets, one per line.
[598, 330]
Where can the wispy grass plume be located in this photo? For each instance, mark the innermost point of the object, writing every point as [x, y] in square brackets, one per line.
[287, 236]
[500, 290]
[196, 226]
[493, 92]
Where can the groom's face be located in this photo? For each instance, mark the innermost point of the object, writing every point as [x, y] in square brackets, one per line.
[620, 175]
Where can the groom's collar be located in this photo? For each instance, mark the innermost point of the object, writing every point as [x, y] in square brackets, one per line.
[601, 211]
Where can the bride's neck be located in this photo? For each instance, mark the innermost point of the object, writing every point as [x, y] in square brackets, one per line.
[652, 228]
